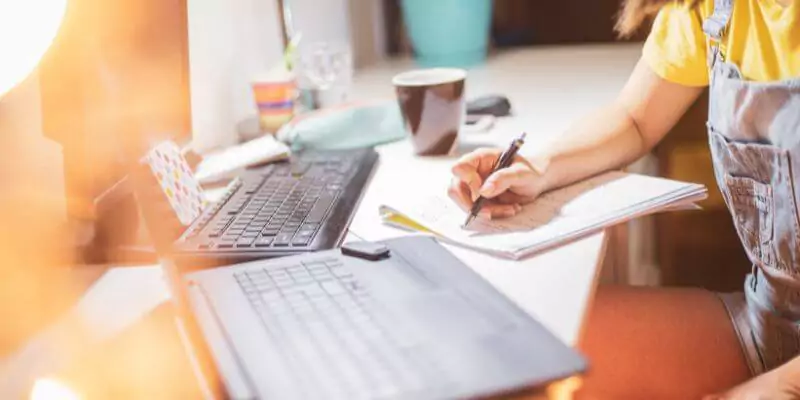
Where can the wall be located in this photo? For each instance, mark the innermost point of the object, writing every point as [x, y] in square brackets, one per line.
[321, 20]
[230, 42]
[367, 31]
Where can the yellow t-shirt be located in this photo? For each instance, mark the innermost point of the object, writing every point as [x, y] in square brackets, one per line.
[762, 39]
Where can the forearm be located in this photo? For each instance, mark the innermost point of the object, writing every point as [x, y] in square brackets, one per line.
[604, 140]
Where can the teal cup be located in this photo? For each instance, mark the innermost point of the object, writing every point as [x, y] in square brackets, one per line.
[448, 33]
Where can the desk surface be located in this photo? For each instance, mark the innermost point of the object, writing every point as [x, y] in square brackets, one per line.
[548, 88]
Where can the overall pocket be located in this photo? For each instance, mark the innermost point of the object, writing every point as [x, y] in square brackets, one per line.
[752, 205]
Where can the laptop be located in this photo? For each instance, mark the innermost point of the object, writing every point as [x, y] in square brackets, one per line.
[396, 319]
[300, 205]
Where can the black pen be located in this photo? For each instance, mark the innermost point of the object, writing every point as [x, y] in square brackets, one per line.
[503, 162]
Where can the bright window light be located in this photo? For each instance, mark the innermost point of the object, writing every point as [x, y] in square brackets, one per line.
[51, 389]
[27, 28]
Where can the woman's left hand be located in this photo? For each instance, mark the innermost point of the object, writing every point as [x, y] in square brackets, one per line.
[782, 383]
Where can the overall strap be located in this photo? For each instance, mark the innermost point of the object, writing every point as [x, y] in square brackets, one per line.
[715, 25]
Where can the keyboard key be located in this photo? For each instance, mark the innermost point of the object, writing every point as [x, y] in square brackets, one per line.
[301, 274]
[259, 226]
[244, 242]
[280, 273]
[257, 275]
[303, 280]
[225, 244]
[283, 282]
[300, 241]
[304, 234]
[288, 229]
[315, 293]
[319, 273]
[232, 234]
[269, 232]
[333, 288]
[283, 239]
[270, 296]
[320, 209]
[265, 286]
[264, 241]
[316, 266]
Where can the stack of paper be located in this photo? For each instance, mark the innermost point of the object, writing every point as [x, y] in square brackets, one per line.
[553, 219]
[223, 165]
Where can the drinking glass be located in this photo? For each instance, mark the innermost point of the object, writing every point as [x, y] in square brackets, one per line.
[324, 73]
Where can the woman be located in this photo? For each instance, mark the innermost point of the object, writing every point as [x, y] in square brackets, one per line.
[683, 343]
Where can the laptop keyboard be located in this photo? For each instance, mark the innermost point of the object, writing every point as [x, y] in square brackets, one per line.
[320, 308]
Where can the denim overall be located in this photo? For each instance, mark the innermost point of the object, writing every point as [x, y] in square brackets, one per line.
[754, 135]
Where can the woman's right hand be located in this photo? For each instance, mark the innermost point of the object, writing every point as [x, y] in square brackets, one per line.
[505, 190]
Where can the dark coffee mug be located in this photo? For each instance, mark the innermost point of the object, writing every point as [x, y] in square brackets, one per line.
[433, 107]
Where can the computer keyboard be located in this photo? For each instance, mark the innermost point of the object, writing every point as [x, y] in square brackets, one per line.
[282, 208]
[320, 308]
[279, 211]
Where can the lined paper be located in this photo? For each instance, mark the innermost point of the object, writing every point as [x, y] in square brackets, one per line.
[555, 217]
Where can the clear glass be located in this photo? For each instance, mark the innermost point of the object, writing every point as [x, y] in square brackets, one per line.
[324, 72]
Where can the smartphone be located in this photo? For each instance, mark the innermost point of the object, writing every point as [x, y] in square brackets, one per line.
[478, 122]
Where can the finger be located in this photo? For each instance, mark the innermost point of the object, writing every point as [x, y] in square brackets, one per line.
[460, 194]
[509, 197]
[486, 160]
[502, 180]
[496, 210]
[468, 175]
[472, 167]
[482, 160]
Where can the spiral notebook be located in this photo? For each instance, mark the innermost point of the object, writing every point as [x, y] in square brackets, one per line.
[552, 219]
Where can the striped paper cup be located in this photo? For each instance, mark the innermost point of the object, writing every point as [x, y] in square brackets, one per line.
[275, 98]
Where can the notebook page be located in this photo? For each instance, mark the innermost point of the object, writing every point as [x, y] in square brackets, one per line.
[602, 199]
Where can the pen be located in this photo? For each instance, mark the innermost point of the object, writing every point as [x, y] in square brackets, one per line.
[503, 162]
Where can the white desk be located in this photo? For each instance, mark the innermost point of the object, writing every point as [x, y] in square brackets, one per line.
[548, 88]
